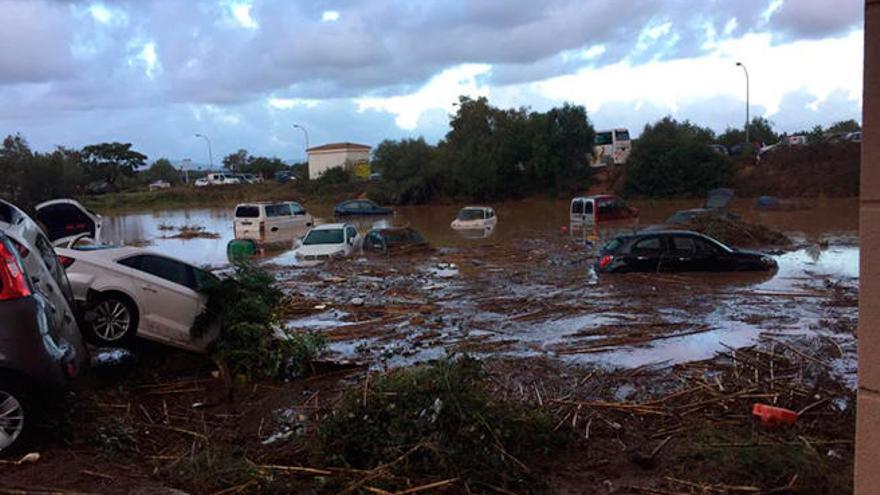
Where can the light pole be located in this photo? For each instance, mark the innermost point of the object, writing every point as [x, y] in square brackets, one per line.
[740, 64]
[306, 134]
[210, 153]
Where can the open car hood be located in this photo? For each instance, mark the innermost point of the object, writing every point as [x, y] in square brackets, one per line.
[65, 219]
[718, 198]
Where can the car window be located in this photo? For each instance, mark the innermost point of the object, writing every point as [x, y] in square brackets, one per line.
[165, 268]
[606, 206]
[705, 247]
[683, 244]
[588, 207]
[602, 138]
[350, 232]
[650, 245]
[297, 209]
[279, 210]
[247, 212]
[621, 135]
[612, 246]
[577, 207]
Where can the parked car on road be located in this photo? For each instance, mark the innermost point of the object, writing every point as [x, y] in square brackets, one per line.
[475, 217]
[221, 179]
[677, 251]
[249, 179]
[284, 176]
[40, 344]
[394, 240]
[328, 241]
[201, 182]
[159, 184]
[271, 222]
[66, 220]
[356, 207]
[123, 292]
[586, 212]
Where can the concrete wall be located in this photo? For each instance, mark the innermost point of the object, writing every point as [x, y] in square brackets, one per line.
[867, 475]
[321, 161]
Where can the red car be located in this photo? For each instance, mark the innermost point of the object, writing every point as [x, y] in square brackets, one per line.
[591, 210]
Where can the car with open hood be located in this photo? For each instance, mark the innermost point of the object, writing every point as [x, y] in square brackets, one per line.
[66, 221]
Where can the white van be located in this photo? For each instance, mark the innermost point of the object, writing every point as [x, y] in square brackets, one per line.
[611, 148]
[271, 223]
[223, 179]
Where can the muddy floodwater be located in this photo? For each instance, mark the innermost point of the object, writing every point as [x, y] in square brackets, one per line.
[523, 290]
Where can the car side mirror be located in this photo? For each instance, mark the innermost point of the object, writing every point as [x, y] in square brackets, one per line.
[351, 241]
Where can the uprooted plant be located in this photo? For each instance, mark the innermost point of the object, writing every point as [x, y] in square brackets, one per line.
[438, 421]
[252, 342]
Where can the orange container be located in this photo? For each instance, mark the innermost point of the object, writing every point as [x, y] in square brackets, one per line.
[770, 415]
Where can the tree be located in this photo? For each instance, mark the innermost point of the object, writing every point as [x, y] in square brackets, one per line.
[761, 131]
[237, 161]
[673, 158]
[410, 170]
[162, 169]
[844, 126]
[561, 144]
[110, 161]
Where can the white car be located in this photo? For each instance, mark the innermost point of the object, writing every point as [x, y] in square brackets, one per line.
[202, 182]
[271, 222]
[223, 179]
[125, 292]
[475, 217]
[159, 184]
[328, 241]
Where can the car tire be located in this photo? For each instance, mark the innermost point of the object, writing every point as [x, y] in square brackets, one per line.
[17, 414]
[110, 320]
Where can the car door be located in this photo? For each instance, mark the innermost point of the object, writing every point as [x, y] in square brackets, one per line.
[711, 258]
[645, 254]
[683, 255]
[278, 222]
[168, 299]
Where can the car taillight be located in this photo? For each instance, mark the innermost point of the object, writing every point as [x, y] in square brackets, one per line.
[12, 276]
[605, 260]
[65, 261]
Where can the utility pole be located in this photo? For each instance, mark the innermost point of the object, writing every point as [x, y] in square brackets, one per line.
[740, 64]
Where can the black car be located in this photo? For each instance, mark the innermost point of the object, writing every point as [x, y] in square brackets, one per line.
[677, 251]
[360, 207]
[394, 239]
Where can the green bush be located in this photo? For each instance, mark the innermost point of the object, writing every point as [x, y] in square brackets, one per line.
[251, 341]
[447, 421]
[674, 158]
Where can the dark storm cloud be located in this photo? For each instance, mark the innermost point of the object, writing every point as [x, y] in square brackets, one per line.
[35, 40]
[813, 19]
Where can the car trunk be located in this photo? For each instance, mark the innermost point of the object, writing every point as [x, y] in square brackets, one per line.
[65, 219]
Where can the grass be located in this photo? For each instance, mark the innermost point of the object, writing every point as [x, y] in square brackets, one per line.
[436, 422]
[190, 196]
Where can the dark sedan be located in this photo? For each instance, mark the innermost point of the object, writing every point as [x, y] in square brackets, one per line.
[394, 239]
[677, 251]
[356, 207]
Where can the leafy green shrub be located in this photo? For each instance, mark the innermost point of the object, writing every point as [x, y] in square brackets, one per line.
[447, 421]
[251, 342]
[673, 158]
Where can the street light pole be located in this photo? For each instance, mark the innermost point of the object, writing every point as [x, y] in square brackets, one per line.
[210, 153]
[305, 133]
[740, 64]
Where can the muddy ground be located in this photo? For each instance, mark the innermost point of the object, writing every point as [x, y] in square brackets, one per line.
[653, 376]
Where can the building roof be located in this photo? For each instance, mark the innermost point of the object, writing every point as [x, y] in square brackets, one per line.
[339, 146]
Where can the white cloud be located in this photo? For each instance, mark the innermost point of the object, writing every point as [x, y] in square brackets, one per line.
[442, 92]
[288, 103]
[330, 16]
[242, 14]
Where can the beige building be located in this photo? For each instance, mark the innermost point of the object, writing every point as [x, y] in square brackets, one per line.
[868, 418]
[323, 158]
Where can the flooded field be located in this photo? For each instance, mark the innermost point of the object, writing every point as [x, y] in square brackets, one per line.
[524, 291]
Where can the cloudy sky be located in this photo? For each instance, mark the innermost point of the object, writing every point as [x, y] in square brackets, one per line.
[155, 72]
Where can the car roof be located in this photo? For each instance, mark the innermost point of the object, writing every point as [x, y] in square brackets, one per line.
[330, 226]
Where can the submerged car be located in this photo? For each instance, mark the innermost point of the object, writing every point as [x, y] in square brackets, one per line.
[394, 239]
[271, 222]
[40, 345]
[475, 218]
[715, 206]
[588, 211]
[328, 241]
[124, 292]
[677, 251]
[356, 207]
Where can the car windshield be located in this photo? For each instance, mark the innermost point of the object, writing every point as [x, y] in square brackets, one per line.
[612, 246]
[324, 236]
[247, 212]
[471, 214]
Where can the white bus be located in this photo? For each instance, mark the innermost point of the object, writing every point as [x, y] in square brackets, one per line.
[611, 148]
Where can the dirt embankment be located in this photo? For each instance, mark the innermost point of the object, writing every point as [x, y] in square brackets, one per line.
[802, 171]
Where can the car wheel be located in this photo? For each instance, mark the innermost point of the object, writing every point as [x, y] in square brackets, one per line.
[16, 417]
[111, 320]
